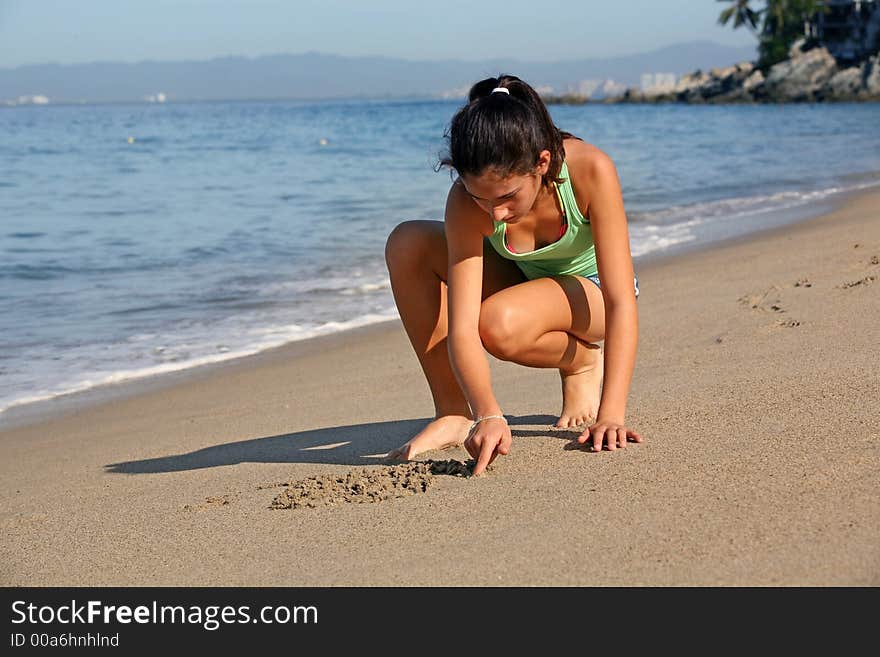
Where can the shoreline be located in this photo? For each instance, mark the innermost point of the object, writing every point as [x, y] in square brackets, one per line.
[755, 389]
[61, 405]
[26, 414]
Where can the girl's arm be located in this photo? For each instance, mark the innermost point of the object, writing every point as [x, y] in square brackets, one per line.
[464, 240]
[614, 260]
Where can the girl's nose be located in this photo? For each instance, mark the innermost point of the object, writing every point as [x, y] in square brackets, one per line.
[500, 213]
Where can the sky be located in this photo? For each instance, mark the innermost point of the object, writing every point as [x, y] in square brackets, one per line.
[78, 31]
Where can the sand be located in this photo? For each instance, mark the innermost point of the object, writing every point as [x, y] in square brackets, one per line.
[757, 387]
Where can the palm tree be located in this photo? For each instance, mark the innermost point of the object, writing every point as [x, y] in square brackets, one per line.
[785, 21]
[741, 13]
[782, 23]
[786, 15]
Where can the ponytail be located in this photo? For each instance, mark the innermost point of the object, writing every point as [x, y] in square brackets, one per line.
[504, 132]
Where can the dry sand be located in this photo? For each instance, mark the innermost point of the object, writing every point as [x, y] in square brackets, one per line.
[756, 386]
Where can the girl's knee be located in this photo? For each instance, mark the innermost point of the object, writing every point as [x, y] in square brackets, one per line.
[406, 242]
[501, 330]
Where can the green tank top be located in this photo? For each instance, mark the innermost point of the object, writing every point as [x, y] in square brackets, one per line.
[573, 253]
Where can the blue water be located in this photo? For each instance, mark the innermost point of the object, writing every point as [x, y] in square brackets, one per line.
[137, 239]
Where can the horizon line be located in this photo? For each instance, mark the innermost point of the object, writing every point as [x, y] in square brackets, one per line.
[388, 57]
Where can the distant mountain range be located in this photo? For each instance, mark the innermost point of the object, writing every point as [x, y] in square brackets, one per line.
[315, 75]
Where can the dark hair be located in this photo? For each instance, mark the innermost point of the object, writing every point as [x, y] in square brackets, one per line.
[504, 132]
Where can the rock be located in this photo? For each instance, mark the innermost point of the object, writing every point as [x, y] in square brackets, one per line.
[810, 75]
[633, 95]
[801, 78]
[736, 72]
[687, 89]
[754, 82]
[720, 85]
[871, 78]
[843, 85]
[797, 48]
[726, 84]
[735, 95]
[636, 95]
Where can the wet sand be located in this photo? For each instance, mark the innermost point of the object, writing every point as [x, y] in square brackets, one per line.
[756, 387]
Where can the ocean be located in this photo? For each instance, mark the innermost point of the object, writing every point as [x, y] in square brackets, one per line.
[141, 239]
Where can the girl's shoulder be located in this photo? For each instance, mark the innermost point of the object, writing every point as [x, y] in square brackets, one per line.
[588, 169]
[584, 160]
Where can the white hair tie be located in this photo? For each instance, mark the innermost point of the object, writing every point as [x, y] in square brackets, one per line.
[501, 89]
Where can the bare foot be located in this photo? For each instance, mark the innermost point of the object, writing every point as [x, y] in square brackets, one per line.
[445, 431]
[581, 393]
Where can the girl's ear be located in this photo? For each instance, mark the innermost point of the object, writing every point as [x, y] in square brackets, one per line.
[543, 163]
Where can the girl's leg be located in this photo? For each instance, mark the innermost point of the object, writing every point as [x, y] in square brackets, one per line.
[552, 322]
[416, 255]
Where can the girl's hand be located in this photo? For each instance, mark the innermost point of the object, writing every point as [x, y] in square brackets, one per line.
[487, 440]
[612, 434]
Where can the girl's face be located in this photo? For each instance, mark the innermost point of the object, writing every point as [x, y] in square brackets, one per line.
[510, 198]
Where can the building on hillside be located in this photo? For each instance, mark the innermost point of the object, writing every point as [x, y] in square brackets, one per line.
[658, 82]
[37, 99]
[584, 88]
[610, 89]
[849, 29]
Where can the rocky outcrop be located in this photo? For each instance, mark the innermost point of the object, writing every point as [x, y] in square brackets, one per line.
[843, 85]
[871, 77]
[719, 84]
[754, 82]
[800, 78]
[810, 74]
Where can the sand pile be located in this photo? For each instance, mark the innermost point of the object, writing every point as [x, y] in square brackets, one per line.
[367, 485]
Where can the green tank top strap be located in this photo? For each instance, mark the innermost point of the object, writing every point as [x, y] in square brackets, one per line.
[567, 198]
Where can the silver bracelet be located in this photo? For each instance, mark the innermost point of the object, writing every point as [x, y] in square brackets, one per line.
[479, 419]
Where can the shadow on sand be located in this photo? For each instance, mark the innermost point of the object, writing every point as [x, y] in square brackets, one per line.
[356, 444]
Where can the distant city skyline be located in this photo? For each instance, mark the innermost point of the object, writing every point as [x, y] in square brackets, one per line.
[67, 32]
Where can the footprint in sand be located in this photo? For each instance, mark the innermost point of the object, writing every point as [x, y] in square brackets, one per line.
[867, 280]
[210, 502]
[761, 303]
[367, 485]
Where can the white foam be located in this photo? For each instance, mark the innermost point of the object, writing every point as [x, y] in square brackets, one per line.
[340, 285]
[366, 288]
[648, 238]
[662, 229]
[746, 205]
[271, 337]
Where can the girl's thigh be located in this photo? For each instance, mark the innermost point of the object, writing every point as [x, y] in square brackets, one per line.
[563, 303]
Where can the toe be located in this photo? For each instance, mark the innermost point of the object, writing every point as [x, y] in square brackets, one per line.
[398, 454]
[563, 422]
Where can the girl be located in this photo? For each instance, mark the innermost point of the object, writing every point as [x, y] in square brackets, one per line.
[532, 263]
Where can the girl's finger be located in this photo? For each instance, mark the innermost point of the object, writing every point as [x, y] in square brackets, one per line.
[598, 437]
[504, 445]
[487, 451]
[611, 438]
